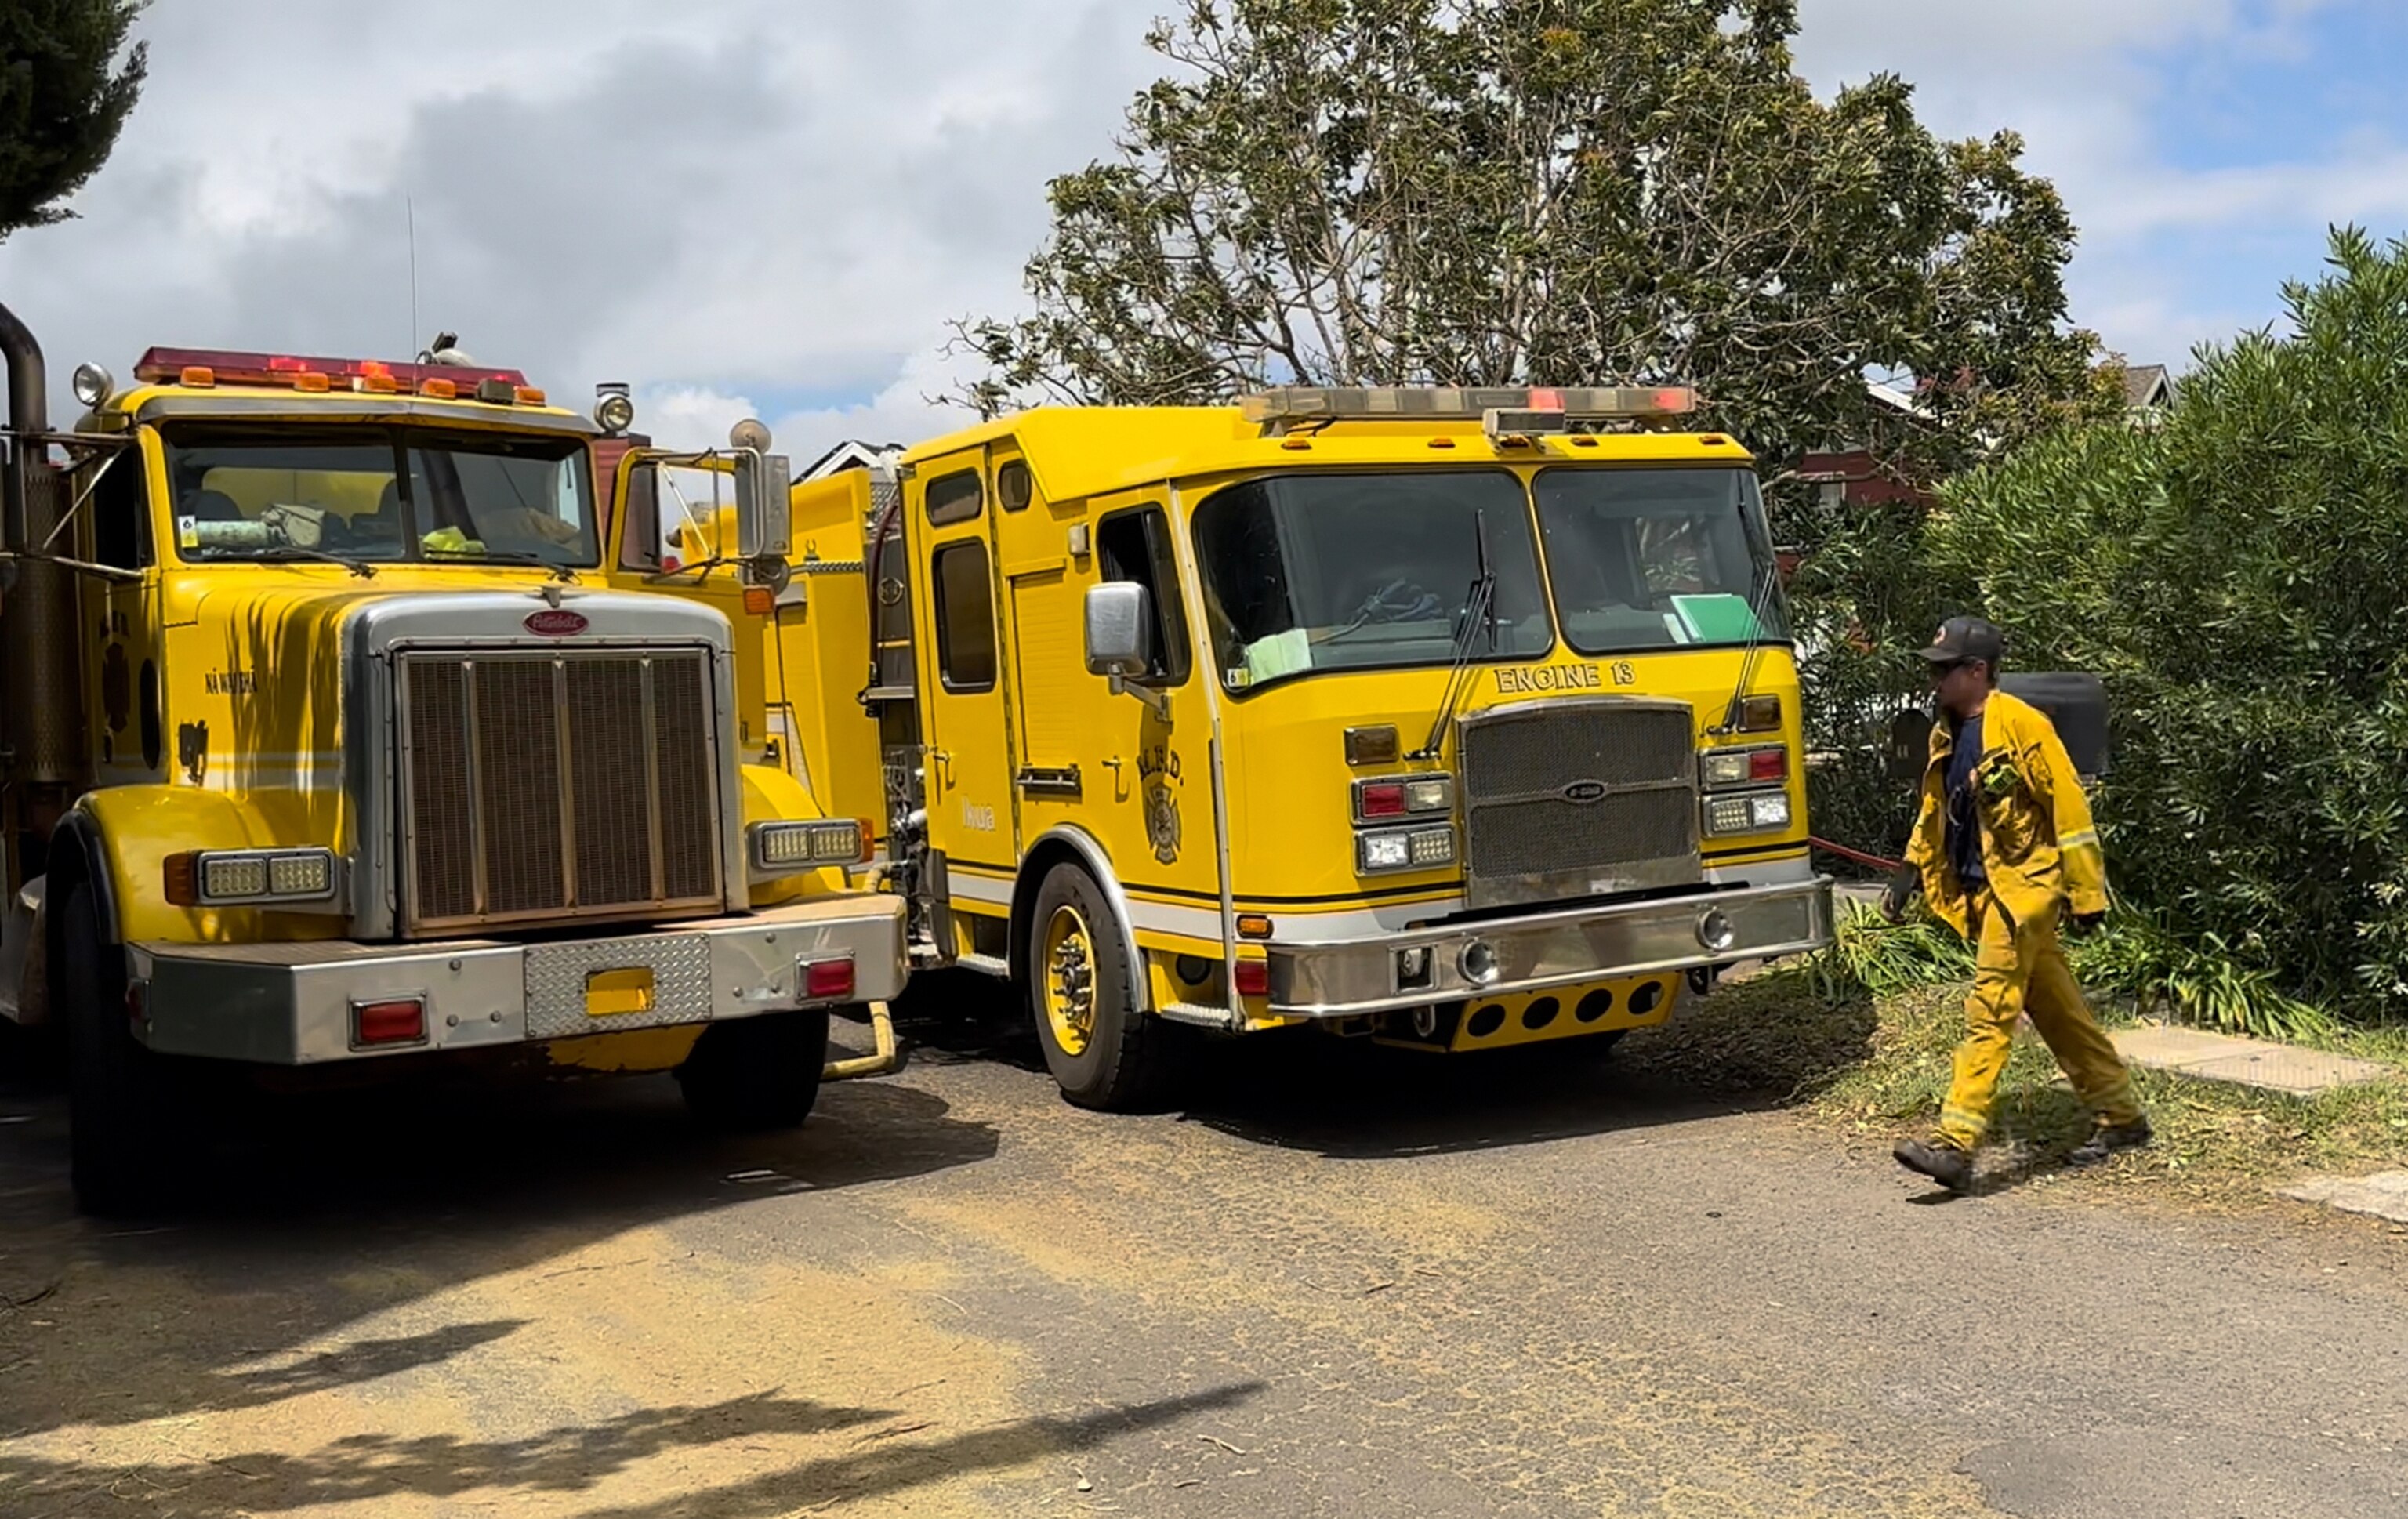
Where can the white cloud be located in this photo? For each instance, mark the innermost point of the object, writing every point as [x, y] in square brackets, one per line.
[728, 202]
[2081, 81]
[905, 410]
[726, 196]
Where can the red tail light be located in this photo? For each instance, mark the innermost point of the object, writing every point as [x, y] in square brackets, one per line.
[1253, 978]
[827, 981]
[402, 1021]
[1769, 764]
[1383, 799]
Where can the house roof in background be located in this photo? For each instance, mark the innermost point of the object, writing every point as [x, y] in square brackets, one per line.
[2147, 385]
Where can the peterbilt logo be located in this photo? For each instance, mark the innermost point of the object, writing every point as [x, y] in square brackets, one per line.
[1582, 793]
[556, 623]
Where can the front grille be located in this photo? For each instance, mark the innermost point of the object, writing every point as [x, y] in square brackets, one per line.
[543, 785]
[1578, 798]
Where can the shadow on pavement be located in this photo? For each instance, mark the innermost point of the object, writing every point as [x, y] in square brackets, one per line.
[317, 1211]
[1748, 1047]
[1350, 1099]
[578, 1459]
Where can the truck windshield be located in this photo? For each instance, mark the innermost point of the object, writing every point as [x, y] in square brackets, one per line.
[1315, 572]
[380, 494]
[1659, 558]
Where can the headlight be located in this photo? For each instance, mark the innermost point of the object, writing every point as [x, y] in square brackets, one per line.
[614, 411]
[266, 877]
[1764, 811]
[1403, 848]
[789, 848]
[1721, 768]
[93, 384]
[1402, 795]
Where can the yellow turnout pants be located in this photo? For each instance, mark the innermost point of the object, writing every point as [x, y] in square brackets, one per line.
[2019, 968]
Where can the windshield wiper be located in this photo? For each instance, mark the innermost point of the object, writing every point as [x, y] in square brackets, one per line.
[564, 573]
[1478, 604]
[1759, 600]
[288, 551]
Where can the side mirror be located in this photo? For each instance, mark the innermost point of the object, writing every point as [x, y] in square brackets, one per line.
[1120, 630]
[763, 512]
[2076, 706]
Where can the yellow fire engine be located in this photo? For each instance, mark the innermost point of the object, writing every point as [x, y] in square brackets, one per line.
[1456, 718]
[332, 737]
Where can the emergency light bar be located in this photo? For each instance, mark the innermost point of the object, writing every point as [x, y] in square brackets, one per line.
[1314, 403]
[223, 367]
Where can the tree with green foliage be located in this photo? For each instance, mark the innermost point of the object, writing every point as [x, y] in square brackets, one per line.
[1563, 191]
[1553, 191]
[68, 80]
[2237, 576]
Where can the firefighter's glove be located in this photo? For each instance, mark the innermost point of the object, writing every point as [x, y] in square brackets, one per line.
[2086, 923]
[1902, 890]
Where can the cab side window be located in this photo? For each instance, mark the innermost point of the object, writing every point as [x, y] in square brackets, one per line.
[639, 540]
[121, 523]
[965, 616]
[1136, 546]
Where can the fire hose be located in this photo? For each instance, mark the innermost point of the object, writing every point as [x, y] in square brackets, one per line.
[1858, 856]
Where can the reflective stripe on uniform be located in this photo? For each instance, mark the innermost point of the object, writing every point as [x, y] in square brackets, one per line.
[1962, 1127]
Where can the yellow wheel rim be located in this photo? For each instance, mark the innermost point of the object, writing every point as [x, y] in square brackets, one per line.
[1069, 972]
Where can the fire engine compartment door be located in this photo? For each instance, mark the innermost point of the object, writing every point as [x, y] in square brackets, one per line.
[962, 679]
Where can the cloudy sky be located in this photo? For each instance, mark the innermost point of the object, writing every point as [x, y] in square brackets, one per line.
[740, 206]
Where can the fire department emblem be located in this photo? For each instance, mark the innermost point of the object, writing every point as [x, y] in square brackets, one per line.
[1162, 820]
[1158, 770]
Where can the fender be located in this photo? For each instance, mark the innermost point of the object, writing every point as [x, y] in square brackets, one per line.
[76, 844]
[772, 796]
[132, 829]
[1090, 855]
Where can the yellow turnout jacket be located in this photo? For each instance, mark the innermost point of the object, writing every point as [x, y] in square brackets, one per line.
[2038, 841]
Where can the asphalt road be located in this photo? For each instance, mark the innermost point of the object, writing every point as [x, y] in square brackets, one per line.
[1337, 1282]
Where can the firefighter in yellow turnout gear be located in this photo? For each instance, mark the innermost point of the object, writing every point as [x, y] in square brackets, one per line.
[2003, 844]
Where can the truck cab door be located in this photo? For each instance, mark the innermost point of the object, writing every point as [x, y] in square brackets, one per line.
[122, 618]
[672, 525]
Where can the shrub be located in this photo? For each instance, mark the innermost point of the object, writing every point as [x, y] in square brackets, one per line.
[2239, 577]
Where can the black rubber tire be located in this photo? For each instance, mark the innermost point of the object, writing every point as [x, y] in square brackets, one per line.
[1127, 1064]
[117, 1128]
[753, 1074]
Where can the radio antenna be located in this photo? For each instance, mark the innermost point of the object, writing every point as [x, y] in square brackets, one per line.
[409, 208]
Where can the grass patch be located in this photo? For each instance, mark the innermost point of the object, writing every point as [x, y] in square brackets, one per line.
[2208, 984]
[1877, 1063]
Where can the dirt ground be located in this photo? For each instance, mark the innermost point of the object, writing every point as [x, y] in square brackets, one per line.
[1337, 1280]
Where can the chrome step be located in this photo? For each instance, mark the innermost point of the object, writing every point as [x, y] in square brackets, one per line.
[1199, 1015]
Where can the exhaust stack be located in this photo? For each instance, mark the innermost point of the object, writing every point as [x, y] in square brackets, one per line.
[29, 411]
[41, 675]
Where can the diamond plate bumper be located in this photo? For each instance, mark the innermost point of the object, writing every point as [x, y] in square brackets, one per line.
[1338, 979]
[291, 1004]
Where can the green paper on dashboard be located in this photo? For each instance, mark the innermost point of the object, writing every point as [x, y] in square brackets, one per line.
[1715, 619]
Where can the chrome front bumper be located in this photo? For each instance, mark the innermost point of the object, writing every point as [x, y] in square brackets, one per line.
[291, 1004]
[1565, 948]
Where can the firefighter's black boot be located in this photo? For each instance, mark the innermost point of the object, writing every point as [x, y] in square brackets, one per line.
[1938, 1159]
[2107, 1139]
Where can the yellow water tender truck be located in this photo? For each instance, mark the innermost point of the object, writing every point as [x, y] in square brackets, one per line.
[1458, 719]
[332, 738]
